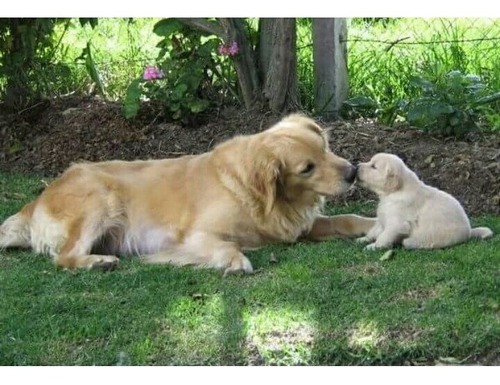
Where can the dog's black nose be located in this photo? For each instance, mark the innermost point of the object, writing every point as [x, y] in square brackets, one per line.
[351, 174]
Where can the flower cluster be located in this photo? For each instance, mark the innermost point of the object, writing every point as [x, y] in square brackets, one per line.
[229, 49]
[152, 73]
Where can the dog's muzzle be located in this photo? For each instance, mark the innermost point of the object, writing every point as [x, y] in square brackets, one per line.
[350, 175]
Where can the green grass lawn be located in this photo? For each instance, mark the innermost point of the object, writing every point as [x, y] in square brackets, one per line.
[329, 303]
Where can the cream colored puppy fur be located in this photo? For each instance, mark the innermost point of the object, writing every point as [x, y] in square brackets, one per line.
[410, 212]
[201, 210]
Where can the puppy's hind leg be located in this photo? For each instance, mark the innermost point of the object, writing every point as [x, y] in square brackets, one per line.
[391, 235]
[481, 233]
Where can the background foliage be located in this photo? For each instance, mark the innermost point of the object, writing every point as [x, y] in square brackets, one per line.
[385, 56]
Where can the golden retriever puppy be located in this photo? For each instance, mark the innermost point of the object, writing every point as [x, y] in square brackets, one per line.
[200, 210]
[410, 212]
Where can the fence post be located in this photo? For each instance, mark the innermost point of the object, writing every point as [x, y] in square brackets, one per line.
[330, 65]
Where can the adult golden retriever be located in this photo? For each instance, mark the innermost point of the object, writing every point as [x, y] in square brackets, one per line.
[410, 212]
[195, 210]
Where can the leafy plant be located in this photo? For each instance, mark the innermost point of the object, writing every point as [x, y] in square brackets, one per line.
[192, 73]
[29, 63]
[91, 68]
[383, 57]
[366, 106]
[25, 44]
[450, 105]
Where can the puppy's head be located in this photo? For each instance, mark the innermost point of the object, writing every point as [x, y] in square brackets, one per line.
[383, 174]
[293, 162]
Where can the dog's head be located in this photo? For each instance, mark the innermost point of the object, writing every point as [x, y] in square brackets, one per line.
[292, 161]
[383, 174]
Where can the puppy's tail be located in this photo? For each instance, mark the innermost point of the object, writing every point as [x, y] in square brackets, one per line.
[481, 233]
[15, 231]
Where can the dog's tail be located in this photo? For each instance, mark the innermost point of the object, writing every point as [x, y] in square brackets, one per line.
[15, 231]
[481, 233]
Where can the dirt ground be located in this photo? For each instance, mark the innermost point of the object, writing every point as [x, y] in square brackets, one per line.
[48, 138]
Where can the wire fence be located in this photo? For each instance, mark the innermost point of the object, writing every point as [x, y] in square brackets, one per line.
[383, 54]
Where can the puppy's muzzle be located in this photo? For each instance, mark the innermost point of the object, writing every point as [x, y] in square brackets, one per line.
[350, 174]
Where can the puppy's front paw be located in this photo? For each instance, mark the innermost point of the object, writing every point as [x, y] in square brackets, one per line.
[371, 247]
[363, 240]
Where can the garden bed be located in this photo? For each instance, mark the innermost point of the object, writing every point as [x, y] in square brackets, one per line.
[45, 142]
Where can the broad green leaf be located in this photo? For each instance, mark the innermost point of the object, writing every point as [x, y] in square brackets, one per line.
[418, 113]
[191, 78]
[166, 27]
[439, 108]
[488, 99]
[425, 85]
[361, 101]
[197, 106]
[179, 91]
[131, 104]
[454, 121]
[93, 21]
[208, 48]
[92, 69]
[174, 107]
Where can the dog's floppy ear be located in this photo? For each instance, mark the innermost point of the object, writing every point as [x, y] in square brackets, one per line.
[393, 180]
[265, 177]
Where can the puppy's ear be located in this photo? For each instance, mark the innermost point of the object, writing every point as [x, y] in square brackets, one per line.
[393, 180]
[265, 177]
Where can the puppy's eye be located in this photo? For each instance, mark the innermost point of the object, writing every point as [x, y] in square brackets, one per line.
[309, 168]
[373, 166]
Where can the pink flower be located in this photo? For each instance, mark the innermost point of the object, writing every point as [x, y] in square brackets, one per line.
[229, 49]
[223, 50]
[233, 49]
[152, 73]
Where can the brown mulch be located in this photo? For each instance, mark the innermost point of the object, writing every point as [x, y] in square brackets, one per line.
[47, 141]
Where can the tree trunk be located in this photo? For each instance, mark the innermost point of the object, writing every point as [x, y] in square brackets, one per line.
[278, 62]
[330, 65]
[274, 77]
[265, 47]
[244, 62]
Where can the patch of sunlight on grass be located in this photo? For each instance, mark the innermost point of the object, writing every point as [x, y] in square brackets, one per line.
[365, 335]
[282, 336]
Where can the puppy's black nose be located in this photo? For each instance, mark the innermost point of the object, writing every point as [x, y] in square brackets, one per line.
[350, 174]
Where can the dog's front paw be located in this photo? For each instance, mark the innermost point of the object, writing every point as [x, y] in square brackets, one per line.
[104, 262]
[240, 264]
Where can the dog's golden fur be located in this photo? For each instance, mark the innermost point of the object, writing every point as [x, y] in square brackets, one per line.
[410, 212]
[195, 210]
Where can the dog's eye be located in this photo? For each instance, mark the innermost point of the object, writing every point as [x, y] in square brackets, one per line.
[309, 168]
[373, 166]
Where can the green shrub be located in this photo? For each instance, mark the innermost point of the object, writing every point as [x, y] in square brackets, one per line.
[450, 105]
[191, 74]
[384, 58]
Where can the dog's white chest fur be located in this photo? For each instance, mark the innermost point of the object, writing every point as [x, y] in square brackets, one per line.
[144, 240]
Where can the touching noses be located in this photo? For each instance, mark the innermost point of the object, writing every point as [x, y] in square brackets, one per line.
[350, 175]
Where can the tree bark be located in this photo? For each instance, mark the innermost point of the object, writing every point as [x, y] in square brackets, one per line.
[244, 62]
[265, 46]
[278, 63]
[330, 65]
